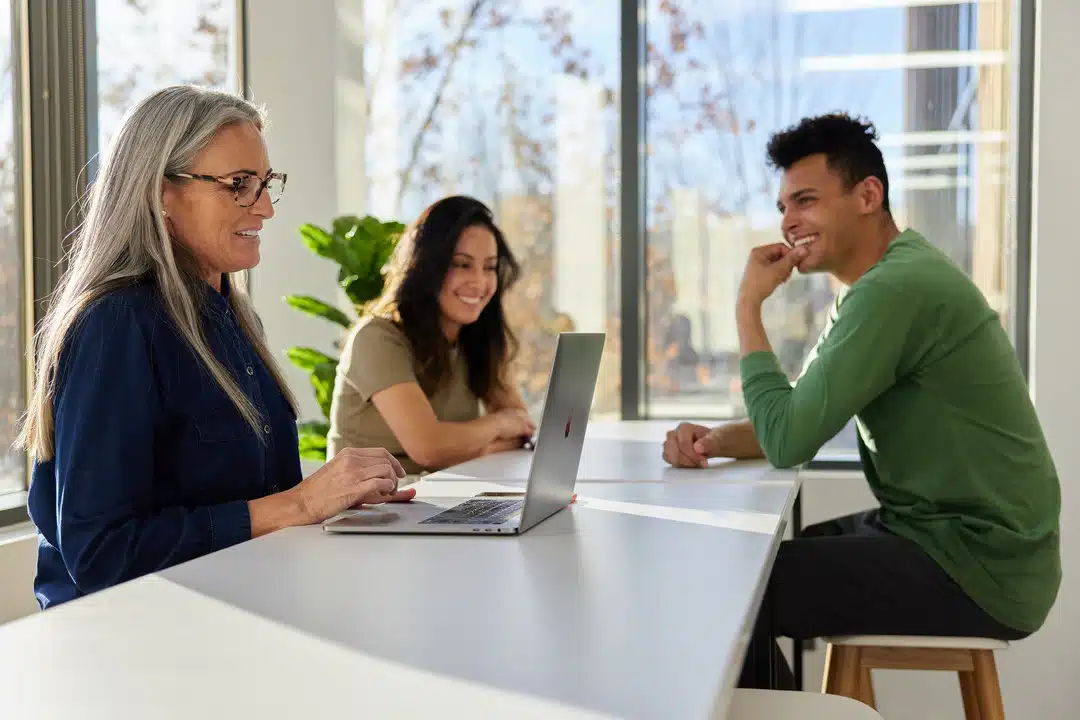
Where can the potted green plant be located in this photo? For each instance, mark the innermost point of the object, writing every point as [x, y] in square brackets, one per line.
[361, 247]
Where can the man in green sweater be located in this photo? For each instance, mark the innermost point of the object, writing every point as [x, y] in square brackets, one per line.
[965, 541]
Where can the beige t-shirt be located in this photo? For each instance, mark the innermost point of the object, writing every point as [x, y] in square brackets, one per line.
[376, 356]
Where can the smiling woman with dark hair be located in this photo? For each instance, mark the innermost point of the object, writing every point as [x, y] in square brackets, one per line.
[436, 347]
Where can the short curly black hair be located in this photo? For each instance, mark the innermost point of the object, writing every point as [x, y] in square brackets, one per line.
[847, 143]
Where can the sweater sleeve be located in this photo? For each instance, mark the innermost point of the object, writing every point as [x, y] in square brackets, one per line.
[857, 359]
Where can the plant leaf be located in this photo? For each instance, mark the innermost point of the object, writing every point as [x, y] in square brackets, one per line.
[362, 289]
[307, 358]
[383, 253]
[392, 235]
[362, 248]
[312, 439]
[393, 228]
[345, 229]
[323, 243]
[313, 428]
[345, 226]
[322, 379]
[373, 227]
[311, 454]
[318, 308]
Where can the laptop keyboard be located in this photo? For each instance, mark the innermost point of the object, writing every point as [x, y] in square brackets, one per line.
[478, 511]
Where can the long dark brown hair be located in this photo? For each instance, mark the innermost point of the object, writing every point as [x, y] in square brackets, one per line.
[417, 274]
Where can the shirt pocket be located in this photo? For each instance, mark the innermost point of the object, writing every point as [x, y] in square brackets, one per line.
[221, 425]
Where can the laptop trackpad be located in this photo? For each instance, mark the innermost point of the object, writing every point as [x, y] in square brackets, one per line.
[376, 516]
[415, 511]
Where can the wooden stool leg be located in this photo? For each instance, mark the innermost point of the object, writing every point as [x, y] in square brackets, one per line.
[970, 697]
[842, 671]
[987, 688]
[866, 687]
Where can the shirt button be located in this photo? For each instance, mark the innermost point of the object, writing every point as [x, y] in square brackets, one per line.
[266, 429]
[250, 370]
[274, 489]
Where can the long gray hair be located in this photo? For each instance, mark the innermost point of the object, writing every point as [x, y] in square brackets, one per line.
[123, 239]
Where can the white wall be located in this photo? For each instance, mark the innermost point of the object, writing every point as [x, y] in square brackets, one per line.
[303, 67]
[291, 70]
[1037, 677]
[18, 565]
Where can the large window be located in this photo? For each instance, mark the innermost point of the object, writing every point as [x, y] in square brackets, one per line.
[12, 309]
[518, 103]
[934, 78]
[515, 103]
[143, 45]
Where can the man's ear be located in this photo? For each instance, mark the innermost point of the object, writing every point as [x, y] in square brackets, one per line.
[871, 193]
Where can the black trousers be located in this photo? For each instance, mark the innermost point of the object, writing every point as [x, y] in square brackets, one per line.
[851, 576]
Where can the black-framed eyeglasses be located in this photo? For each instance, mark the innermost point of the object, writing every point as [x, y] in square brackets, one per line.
[247, 188]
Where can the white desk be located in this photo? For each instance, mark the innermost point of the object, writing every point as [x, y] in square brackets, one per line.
[636, 602]
[154, 649]
[617, 452]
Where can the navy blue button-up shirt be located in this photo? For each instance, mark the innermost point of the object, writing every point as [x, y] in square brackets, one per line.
[153, 464]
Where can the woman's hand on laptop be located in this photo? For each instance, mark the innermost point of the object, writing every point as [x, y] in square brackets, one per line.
[513, 423]
[505, 445]
[354, 476]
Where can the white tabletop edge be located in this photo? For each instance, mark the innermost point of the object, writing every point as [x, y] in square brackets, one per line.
[733, 667]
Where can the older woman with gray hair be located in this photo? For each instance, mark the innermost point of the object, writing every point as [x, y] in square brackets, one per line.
[160, 427]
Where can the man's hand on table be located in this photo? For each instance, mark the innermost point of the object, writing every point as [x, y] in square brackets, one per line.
[691, 446]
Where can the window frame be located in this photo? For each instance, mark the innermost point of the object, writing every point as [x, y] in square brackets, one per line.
[53, 152]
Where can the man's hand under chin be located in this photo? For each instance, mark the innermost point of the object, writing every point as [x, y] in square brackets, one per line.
[769, 267]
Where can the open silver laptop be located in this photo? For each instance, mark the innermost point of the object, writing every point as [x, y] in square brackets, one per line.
[552, 476]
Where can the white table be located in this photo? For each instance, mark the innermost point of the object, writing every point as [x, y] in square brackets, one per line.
[618, 452]
[636, 602]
